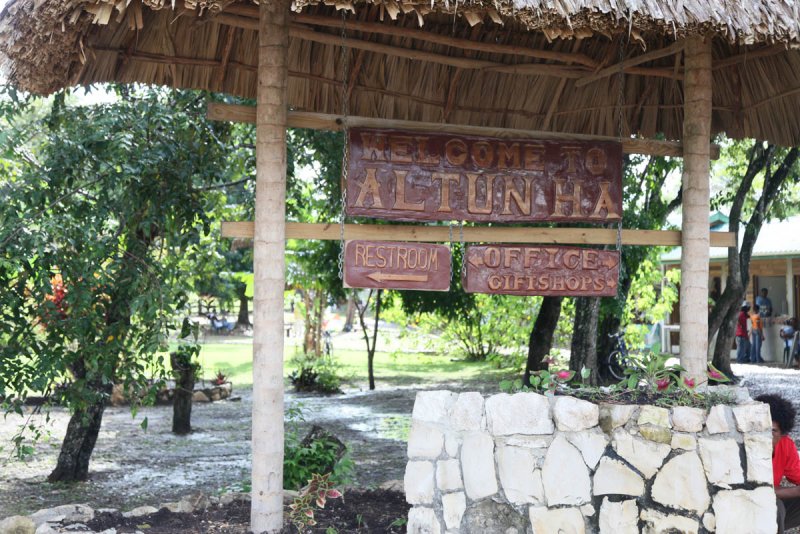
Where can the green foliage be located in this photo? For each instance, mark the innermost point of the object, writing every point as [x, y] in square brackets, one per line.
[301, 462]
[319, 489]
[315, 373]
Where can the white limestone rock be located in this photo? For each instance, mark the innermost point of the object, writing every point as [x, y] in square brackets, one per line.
[710, 522]
[453, 507]
[433, 406]
[758, 449]
[467, 413]
[587, 510]
[66, 513]
[686, 442]
[47, 528]
[557, 520]
[646, 456]
[721, 461]
[17, 524]
[615, 478]
[574, 415]
[452, 442]
[719, 419]
[682, 484]
[686, 419]
[425, 441]
[418, 482]
[520, 479]
[448, 475]
[657, 523]
[477, 465]
[613, 416]
[521, 413]
[529, 442]
[140, 511]
[591, 443]
[565, 475]
[422, 521]
[653, 415]
[753, 511]
[753, 417]
[619, 517]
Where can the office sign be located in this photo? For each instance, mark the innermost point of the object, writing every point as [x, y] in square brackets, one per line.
[396, 265]
[413, 176]
[547, 270]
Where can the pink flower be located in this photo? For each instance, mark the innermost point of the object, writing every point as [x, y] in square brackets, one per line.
[564, 375]
[689, 382]
[713, 373]
[662, 384]
[334, 494]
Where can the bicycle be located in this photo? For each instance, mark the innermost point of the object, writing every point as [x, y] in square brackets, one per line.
[619, 358]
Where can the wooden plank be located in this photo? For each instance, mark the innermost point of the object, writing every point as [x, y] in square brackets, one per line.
[476, 234]
[674, 48]
[322, 121]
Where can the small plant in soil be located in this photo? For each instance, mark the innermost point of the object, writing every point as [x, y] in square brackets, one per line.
[316, 493]
[219, 379]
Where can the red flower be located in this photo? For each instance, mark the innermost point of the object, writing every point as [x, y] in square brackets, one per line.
[564, 375]
[713, 373]
[689, 382]
[662, 384]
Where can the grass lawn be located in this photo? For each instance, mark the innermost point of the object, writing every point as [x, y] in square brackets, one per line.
[235, 360]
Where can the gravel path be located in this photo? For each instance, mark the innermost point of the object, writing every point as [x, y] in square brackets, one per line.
[131, 467]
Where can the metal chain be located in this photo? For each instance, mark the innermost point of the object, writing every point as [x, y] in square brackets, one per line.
[463, 249]
[450, 246]
[345, 61]
[620, 118]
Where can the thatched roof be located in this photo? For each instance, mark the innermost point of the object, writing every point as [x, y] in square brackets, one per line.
[528, 64]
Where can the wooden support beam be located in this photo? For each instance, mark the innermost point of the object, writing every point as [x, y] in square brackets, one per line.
[226, 57]
[674, 48]
[477, 234]
[321, 121]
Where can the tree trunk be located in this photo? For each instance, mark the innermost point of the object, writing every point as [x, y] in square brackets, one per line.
[371, 352]
[351, 312]
[583, 351]
[266, 506]
[541, 339]
[243, 319]
[695, 229]
[78, 444]
[183, 370]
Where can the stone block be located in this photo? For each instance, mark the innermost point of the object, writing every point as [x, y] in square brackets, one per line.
[453, 507]
[66, 513]
[433, 406]
[587, 510]
[591, 443]
[477, 465]
[682, 484]
[619, 517]
[719, 420]
[753, 417]
[424, 440]
[686, 442]
[615, 478]
[140, 511]
[521, 413]
[528, 442]
[448, 475]
[721, 461]
[467, 413]
[646, 456]
[710, 522]
[557, 520]
[422, 521]
[452, 442]
[574, 415]
[659, 434]
[657, 523]
[753, 511]
[418, 482]
[615, 415]
[489, 517]
[686, 419]
[520, 479]
[758, 449]
[17, 524]
[654, 415]
[564, 475]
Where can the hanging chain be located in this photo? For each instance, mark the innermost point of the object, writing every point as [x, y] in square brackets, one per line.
[345, 60]
[450, 246]
[463, 249]
[620, 118]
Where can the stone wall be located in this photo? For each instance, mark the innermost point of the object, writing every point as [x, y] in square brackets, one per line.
[532, 463]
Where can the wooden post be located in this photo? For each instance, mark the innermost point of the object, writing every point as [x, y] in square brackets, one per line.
[266, 509]
[695, 236]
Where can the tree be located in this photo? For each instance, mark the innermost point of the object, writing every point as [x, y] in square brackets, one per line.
[371, 343]
[775, 168]
[106, 198]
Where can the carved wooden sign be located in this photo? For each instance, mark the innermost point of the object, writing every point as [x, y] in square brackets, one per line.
[548, 270]
[396, 265]
[413, 176]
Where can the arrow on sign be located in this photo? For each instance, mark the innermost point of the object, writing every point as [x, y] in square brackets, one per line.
[386, 277]
[475, 260]
[610, 262]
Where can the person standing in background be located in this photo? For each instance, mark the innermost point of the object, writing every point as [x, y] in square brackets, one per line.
[764, 304]
[756, 335]
[742, 341]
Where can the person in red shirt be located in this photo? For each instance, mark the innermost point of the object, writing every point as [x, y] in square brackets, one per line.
[785, 461]
[742, 338]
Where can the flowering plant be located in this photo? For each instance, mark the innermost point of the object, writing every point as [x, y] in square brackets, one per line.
[317, 492]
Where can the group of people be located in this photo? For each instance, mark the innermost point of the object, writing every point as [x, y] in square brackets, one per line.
[750, 331]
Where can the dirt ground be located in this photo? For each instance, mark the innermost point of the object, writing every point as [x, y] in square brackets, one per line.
[131, 467]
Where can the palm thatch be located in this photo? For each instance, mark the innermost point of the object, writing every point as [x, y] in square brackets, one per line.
[528, 64]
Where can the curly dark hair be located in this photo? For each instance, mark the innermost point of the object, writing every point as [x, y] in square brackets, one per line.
[781, 410]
